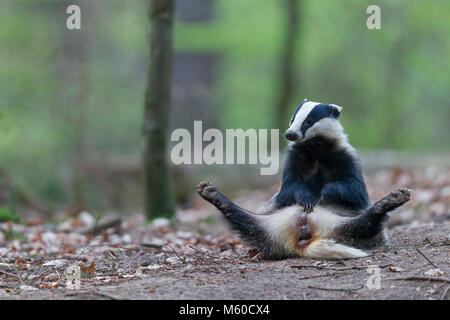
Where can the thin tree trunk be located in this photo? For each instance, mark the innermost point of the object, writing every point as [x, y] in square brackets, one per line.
[158, 195]
[287, 63]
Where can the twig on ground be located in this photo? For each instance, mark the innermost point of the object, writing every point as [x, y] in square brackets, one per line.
[178, 256]
[334, 268]
[202, 252]
[152, 245]
[317, 276]
[81, 293]
[336, 289]
[422, 278]
[426, 258]
[445, 292]
[106, 296]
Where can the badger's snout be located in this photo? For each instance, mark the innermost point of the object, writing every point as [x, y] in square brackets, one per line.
[291, 135]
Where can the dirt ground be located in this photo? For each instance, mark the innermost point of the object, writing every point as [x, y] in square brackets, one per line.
[198, 258]
[236, 276]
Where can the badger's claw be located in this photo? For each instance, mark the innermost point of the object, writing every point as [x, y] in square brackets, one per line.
[308, 207]
[306, 200]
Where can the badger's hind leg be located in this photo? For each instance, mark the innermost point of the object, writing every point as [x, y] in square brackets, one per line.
[231, 210]
[365, 228]
[244, 222]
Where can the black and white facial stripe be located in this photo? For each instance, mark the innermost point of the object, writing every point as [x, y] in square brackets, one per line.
[311, 119]
[296, 111]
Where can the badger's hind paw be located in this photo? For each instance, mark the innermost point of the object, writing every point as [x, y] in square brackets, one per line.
[207, 191]
[204, 189]
[210, 193]
[402, 195]
[392, 201]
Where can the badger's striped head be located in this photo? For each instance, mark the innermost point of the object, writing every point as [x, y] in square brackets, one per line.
[312, 119]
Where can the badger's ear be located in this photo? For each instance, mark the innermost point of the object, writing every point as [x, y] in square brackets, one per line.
[335, 110]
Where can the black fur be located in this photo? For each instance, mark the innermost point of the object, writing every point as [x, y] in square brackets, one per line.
[318, 171]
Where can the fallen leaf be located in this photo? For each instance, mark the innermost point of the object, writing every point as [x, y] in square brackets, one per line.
[90, 269]
[55, 263]
[434, 272]
[396, 269]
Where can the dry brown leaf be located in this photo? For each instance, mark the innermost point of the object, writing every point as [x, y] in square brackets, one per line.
[90, 269]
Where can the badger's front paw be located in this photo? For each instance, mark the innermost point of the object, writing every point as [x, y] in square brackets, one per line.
[210, 193]
[308, 207]
[307, 201]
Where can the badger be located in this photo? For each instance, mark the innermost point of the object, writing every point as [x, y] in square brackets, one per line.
[321, 165]
[322, 209]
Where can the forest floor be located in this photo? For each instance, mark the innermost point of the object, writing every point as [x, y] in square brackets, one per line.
[196, 257]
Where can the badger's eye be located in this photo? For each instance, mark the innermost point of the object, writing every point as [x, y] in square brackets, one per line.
[308, 122]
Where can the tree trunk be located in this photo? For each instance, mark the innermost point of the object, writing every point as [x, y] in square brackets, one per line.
[287, 63]
[158, 196]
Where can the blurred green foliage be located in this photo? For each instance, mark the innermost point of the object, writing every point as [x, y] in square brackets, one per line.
[393, 83]
[8, 215]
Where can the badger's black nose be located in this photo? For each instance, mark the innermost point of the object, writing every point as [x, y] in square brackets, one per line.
[291, 135]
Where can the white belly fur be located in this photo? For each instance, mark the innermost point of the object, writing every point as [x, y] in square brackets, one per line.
[281, 225]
